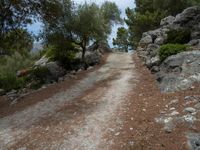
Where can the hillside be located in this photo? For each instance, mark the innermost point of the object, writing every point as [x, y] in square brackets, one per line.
[76, 93]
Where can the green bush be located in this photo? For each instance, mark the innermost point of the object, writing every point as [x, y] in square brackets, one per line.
[10, 81]
[40, 74]
[170, 49]
[9, 65]
[18, 40]
[38, 77]
[62, 55]
[179, 36]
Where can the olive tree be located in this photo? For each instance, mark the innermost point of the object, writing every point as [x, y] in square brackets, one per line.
[82, 24]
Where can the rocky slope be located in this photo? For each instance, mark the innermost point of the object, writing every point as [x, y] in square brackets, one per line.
[181, 71]
[56, 72]
[92, 57]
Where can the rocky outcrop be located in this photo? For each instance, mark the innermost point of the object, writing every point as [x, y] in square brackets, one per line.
[55, 69]
[91, 57]
[180, 71]
[167, 21]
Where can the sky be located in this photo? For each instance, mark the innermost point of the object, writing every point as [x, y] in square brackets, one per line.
[122, 4]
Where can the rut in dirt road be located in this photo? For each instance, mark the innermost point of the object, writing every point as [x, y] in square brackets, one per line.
[77, 118]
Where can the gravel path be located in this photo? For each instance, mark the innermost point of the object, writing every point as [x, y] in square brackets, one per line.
[75, 119]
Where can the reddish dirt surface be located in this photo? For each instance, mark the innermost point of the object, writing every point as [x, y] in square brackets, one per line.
[38, 96]
[140, 131]
[117, 111]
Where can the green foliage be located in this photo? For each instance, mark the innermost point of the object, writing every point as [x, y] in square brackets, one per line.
[122, 39]
[18, 40]
[141, 22]
[94, 23]
[172, 7]
[60, 49]
[170, 49]
[38, 77]
[14, 63]
[180, 36]
[148, 13]
[10, 81]
[8, 69]
[40, 74]
[111, 12]
[16, 14]
[80, 24]
[64, 56]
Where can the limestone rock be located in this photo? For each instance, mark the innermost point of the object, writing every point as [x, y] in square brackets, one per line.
[55, 69]
[42, 61]
[167, 21]
[189, 110]
[146, 40]
[179, 72]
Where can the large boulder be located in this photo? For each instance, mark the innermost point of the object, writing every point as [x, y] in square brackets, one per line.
[42, 61]
[179, 72]
[91, 57]
[189, 17]
[55, 68]
[146, 40]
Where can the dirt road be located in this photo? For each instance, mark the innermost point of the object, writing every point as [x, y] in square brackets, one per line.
[77, 118]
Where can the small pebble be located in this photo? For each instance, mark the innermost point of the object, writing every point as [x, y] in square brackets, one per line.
[118, 133]
[172, 108]
[189, 110]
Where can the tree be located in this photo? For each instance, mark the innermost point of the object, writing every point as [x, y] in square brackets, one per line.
[93, 23]
[18, 40]
[139, 23]
[17, 13]
[122, 39]
[148, 13]
[82, 24]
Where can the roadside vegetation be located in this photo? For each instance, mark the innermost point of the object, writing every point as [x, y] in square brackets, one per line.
[148, 13]
[68, 28]
[171, 49]
[175, 43]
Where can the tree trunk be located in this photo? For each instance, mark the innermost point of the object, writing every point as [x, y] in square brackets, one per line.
[83, 57]
[83, 53]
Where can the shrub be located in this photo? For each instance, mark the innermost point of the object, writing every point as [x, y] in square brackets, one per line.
[9, 65]
[170, 49]
[62, 55]
[10, 81]
[18, 40]
[180, 36]
[40, 74]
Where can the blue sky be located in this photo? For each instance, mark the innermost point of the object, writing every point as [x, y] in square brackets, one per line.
[122, 4]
